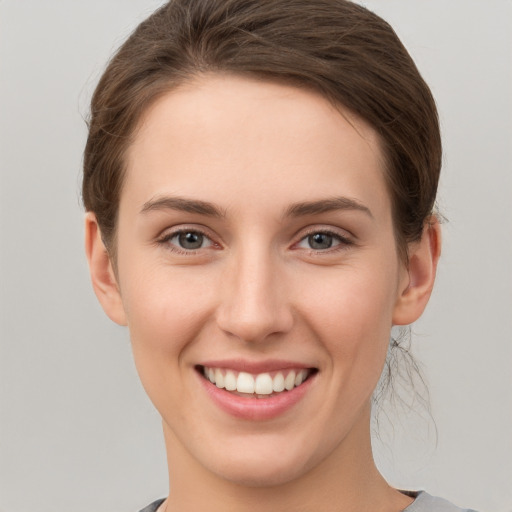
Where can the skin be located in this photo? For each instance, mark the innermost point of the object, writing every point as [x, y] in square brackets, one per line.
[257, 290]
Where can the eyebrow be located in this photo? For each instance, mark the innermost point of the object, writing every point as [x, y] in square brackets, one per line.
[182, 204]
[295, 210]
[326, 205]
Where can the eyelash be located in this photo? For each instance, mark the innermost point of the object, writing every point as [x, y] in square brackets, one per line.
[343, 241]
[167, 237]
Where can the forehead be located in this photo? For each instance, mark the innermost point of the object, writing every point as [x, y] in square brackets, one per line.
[233, 137]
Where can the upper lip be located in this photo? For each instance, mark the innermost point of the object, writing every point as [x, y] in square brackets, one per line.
[254, 367]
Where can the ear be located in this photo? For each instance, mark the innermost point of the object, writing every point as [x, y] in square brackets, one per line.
[102, 273]
[420, 274]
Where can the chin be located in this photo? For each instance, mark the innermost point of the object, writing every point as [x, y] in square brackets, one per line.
[260, 466]
[258, 474]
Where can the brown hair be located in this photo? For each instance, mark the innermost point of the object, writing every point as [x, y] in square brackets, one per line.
[338, 48]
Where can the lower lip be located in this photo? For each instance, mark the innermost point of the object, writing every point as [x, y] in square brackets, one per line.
[256, 408]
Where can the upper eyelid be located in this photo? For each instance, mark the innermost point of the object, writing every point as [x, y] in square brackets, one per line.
[171, 232]
[337, 232]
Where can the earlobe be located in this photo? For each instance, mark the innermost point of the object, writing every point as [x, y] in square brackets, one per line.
[423, 259]
[102, 273]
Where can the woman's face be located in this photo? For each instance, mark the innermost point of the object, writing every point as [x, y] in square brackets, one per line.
[255, 237]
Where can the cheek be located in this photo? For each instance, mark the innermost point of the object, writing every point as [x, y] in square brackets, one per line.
[352, 317]
[165, 308]
[164, 325]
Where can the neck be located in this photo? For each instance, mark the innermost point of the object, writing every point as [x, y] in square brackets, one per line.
[346, 480]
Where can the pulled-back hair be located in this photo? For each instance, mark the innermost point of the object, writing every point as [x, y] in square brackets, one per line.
[335, 47]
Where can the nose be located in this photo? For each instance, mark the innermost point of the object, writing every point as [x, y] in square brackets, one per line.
[254, 303]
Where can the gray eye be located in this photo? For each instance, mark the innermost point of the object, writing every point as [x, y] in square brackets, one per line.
[190, 240]
[320, 241]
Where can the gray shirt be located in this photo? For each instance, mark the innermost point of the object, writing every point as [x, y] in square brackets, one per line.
[424, 502]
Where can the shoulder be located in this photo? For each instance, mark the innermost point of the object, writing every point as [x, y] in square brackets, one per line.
[153, 507]
[424, 502]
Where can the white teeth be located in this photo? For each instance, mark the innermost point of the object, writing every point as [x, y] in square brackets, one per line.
[300, 377]
[263, 384]
[230, 381]
[289, 382]
[219, 378]
[278, 383]
[245, 383]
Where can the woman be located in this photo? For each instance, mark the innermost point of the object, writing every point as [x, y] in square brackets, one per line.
[260, 179]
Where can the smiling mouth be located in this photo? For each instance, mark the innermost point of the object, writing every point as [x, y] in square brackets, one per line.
[261, 385]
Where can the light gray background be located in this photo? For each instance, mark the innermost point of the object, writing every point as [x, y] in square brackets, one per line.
[76, 430]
